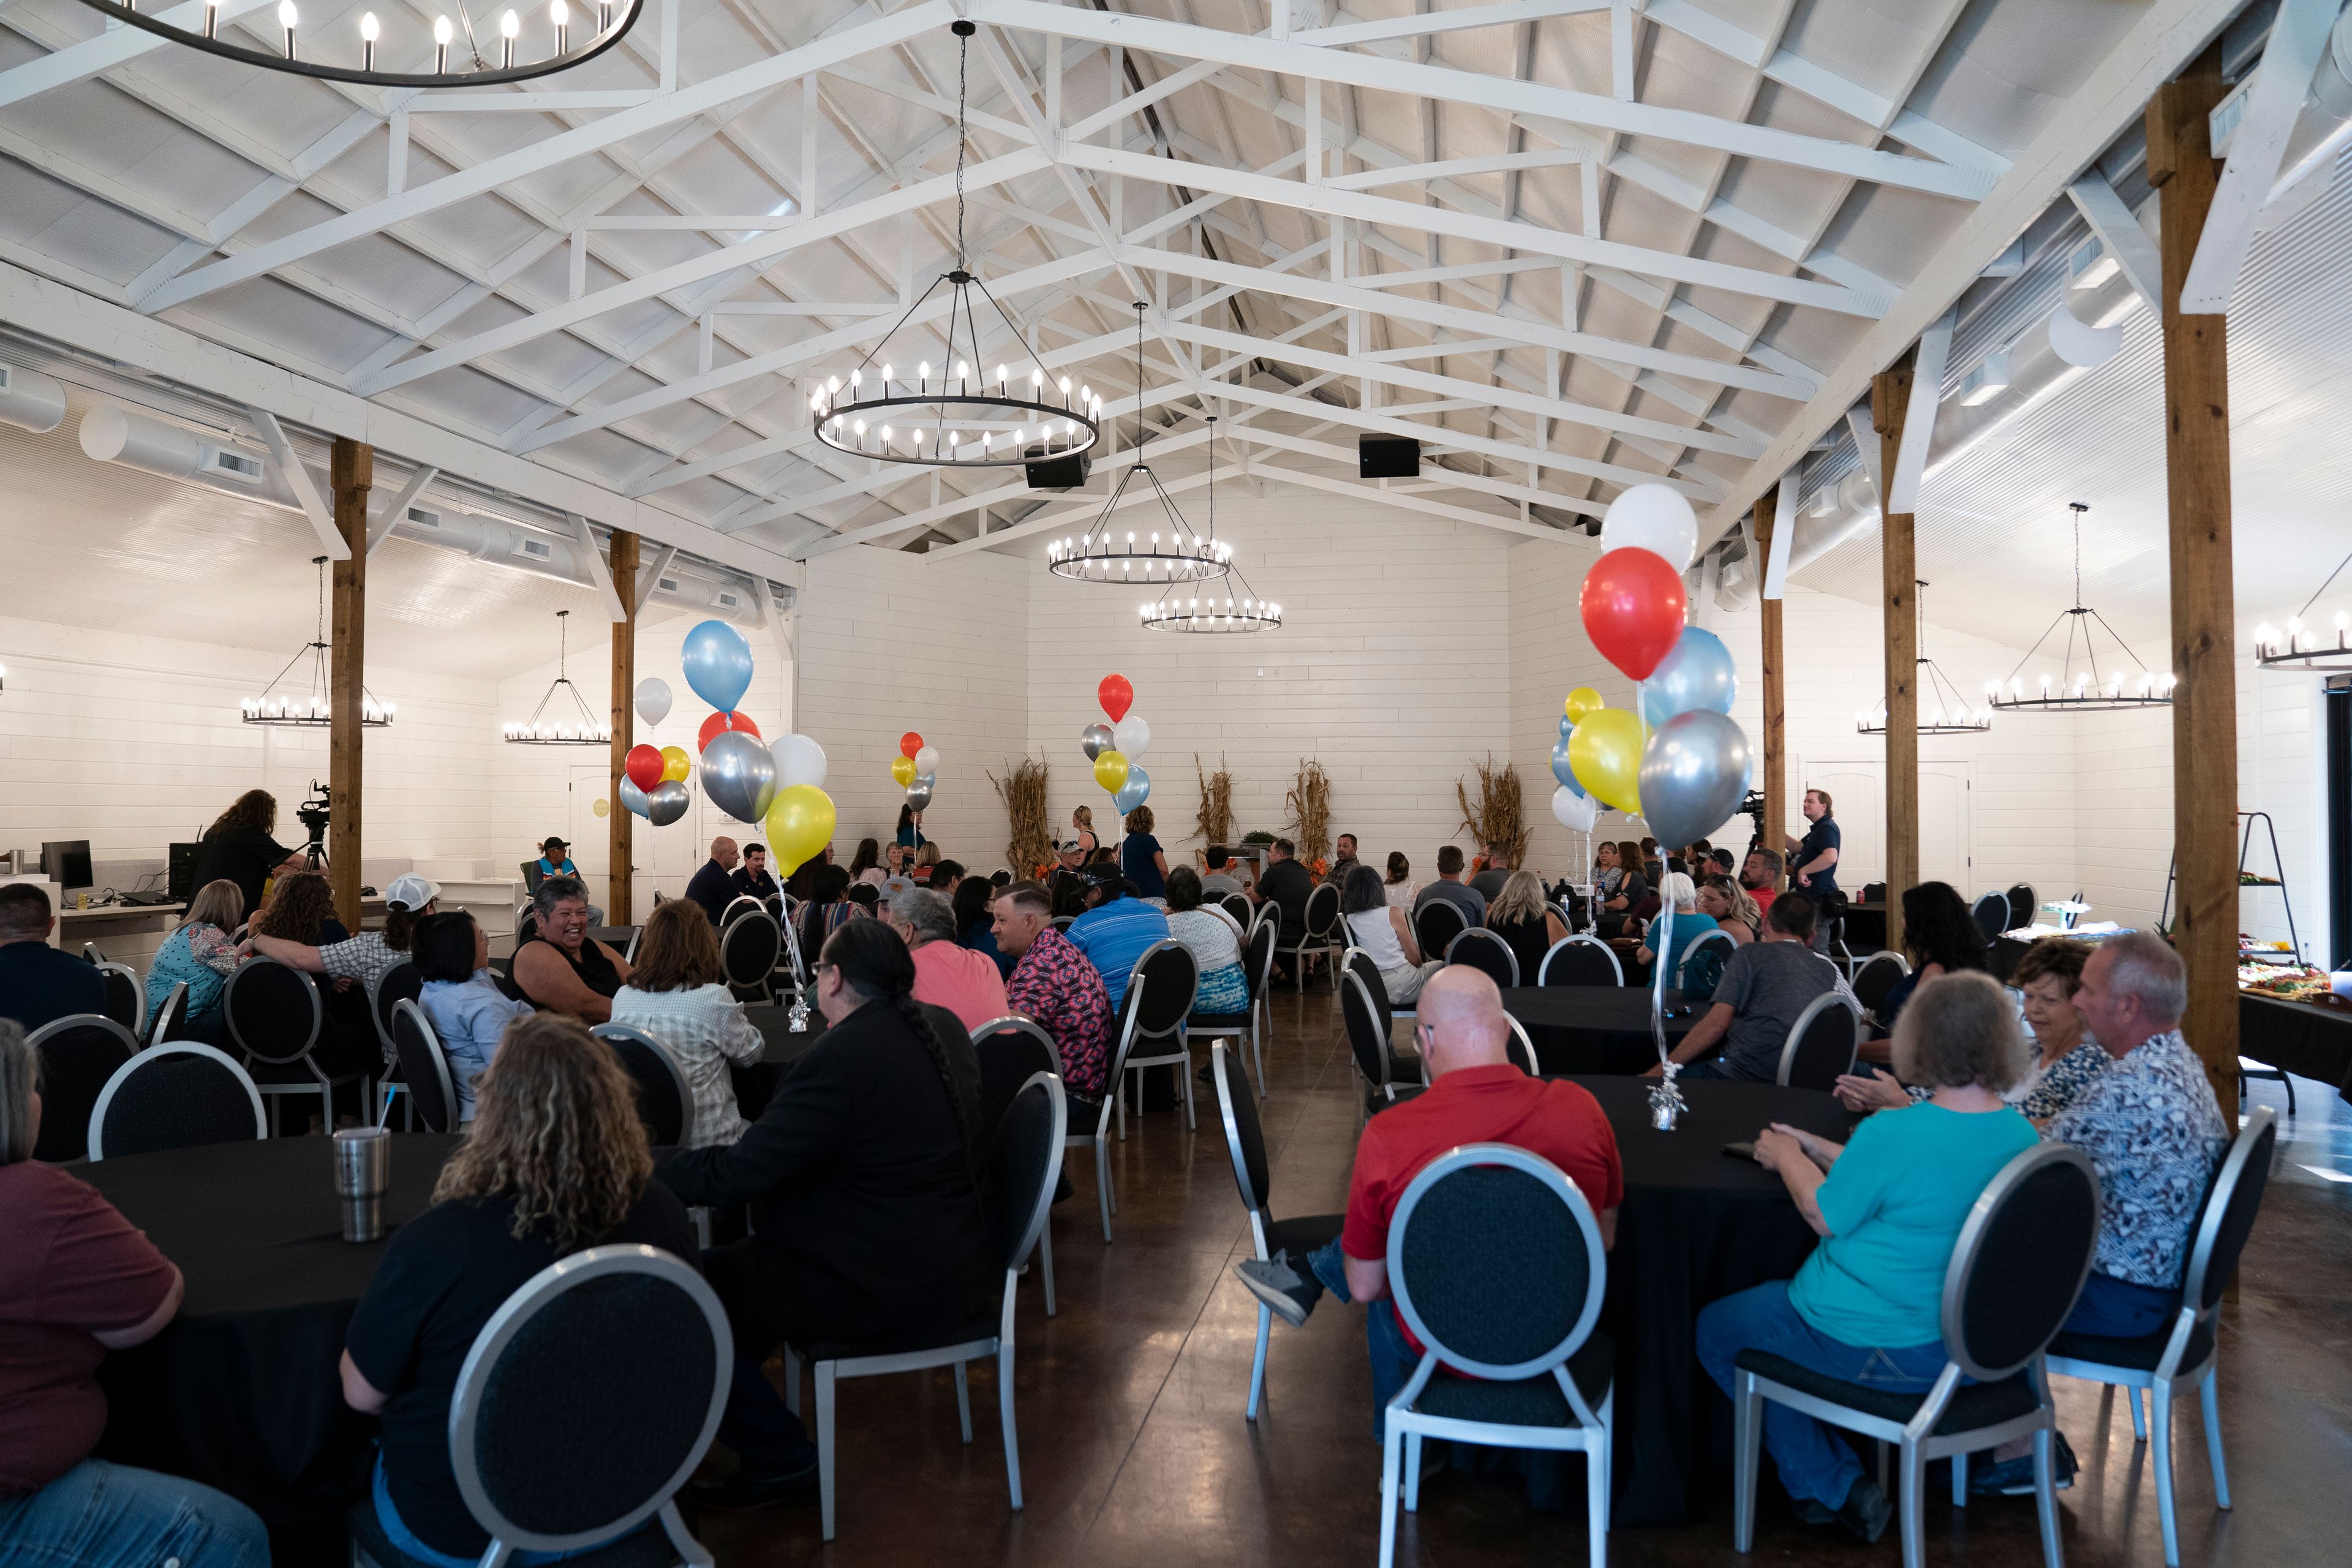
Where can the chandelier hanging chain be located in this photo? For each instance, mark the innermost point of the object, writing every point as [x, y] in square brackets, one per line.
[1950, 716]
[317, 708]
[2093, 691]
[1242, 614]
[590, 732]
[964, 63]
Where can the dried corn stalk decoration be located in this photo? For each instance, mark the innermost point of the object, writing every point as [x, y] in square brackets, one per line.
[1023, 791]
[1214, 822]
[1308, 806]
[1500, 816]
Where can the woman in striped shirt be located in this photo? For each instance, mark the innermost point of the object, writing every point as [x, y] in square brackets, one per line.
[678, 995]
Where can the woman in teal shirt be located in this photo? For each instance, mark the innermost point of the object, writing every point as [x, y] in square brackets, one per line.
[1867, 1307]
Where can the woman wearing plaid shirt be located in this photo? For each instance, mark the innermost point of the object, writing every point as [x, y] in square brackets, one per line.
[678, 993]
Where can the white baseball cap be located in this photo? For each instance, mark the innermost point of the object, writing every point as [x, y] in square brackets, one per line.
[411, 892]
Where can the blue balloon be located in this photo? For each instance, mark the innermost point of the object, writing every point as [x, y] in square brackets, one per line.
[1567, 728]
[717, 664]
[1135, 791]
[1559, 768]
[1697, 675]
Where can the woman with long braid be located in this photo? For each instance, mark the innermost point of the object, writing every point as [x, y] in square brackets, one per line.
[868, 1223]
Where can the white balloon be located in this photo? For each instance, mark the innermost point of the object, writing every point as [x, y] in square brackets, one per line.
[1653, 518]
[653, 700]
[799, 761]
[1132, 737]
[1576, 811]
[926, 760]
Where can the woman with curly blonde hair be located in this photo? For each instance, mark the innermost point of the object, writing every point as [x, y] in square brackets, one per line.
[556, 1162]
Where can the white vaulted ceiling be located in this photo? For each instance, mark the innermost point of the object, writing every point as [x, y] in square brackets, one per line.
[1572, 244]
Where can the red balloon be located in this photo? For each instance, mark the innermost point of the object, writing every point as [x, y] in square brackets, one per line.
[1117, 695]
[719, 724]
[909, 744]
[645, 766]
[1633, 606]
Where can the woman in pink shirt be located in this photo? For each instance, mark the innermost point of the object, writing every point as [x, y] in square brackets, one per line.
[965, 983]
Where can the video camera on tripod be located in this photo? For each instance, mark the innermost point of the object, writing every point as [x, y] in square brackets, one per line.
[313, 814]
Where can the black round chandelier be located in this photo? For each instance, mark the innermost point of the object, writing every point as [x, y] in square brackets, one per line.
[596, 24]
[1181, 555]
[2301, 649]
[311, 709]
[580, 727]
[2083, 688]
[1213, 614]
[1950, 714]
[955, 415]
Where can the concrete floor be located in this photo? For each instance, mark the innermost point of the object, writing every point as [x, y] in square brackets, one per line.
[1134, 1449]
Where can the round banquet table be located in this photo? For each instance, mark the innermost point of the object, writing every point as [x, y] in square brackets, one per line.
[1697, 1224]
[1594, 1028]
[242, 1391]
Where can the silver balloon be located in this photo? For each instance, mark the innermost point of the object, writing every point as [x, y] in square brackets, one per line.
[666, 802]
[631, 797]
[738, 774]
[1096, 740]
[1694, 773]
[919, 796]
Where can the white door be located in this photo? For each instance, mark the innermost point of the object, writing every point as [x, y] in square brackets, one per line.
[1947, 820]
[1947, 826]
[591, 838]
[1857, 793]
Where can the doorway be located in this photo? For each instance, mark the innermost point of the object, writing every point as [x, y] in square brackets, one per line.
[1858, 793]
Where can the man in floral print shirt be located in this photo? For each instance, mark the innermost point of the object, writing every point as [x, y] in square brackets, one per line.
[1055, 984]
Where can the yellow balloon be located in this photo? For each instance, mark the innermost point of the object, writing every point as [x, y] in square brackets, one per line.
[675, 763]
[603, 808]
[1605, 754]
[799, 824]
[1111, 769]
[903, 770]
[1583, 703]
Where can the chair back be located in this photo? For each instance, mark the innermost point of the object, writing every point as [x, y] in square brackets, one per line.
[1495, 1262]
[1238, 905]
[1821, 1043]
[1366, 1036]
[1710, 952]
[424, 1066]
[1125, 1029]
[126, 998]
[1878, 976]
[526, 920]
[1026, 1166]
[1269, 915]
[2231, 1206]
[664, 1101]
[1523, 1049]
[1258, 958]
[1011, 1050]
[1488, 953]
[1245, 1136]
[1321, 919]
[1580, 960]
[1991, 912]
[589, 1397]
[171, 1017]
[2022, 905]
[1175, 976]
[274, 1013]
[736, 905]
[404, 982]
[92, 954]
[80, 1055]
[1873, 892]
[1062, 922]
[2019, 1263]
[531, 875]
[749, 944]
[174, 1095]
[1435, 925]
[1357, 961]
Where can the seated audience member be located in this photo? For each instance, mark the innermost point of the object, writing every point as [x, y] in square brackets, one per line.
[864, 900]
[77, 1280]
[1888, 1205]
[1761, 875]
[1620, 899]
[1477, 1095]
[1343, 858]
[868, 1223]
[925, 868]
[202, 951]
[1688, 925]
[1284, 884]
[944, 876]
[1070, 895]
[555, 860]
[302, 909]
[712, 887]
[556, 1163]
[752, 878]
[868, 862]
[897, 865]
[1451, 888]
[1053, 983]
[1488, 883]
[1735, 914]
[1521, 918]
[677, 993]
[1385, 934]
[1116, 929]
[461, 999]
[1219, 880]
[1398, 885]
[1208, 933]
[365, 959]
[1939, 937]
[40, 984]
[974, 919]
[299, 913]
[964, 983]
[825, 907]
[2066, 1057]
[1722, 863]
[237, 848]
[1765, 986]
[559, 967]
[1140, 858]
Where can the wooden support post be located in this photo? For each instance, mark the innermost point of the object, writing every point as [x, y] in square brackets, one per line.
[1776, 707]
[350, 471]
[621, 824]
[2181, 163]
[1890, 397]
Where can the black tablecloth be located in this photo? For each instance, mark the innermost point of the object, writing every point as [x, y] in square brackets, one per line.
[242, 1391]
[2307, 1040]
[1697, 1224]
[1594, 1028]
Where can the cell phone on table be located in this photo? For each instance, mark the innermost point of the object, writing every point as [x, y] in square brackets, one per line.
[1745, 1148]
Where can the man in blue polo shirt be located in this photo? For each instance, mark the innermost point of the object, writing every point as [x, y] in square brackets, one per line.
[1114, 929]
[38, 984]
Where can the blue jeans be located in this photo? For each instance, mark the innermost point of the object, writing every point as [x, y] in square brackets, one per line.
[100, 1515]
[2119, 1310]
[396, 1530]
[1392, 1359]
[1813, 1462]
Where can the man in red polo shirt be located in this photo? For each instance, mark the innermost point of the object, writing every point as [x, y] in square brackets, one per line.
[1477, 1095]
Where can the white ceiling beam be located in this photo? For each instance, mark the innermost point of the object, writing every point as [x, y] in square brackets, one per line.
[600, 571]
[297, 475]
[395, 510]
[2298, 41]
[1454, 168]
[1410, 503]
[649, 574]
[95, 57]
[2119, 231]
[1902, 492]
[1431, 473]
[1784, 531]
[1509, 13]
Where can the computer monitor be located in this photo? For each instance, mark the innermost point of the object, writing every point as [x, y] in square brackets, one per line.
[65, 862]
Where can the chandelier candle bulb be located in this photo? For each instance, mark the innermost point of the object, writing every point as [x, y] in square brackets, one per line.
[285, 20]
[212, 18]
[561, 15]
[441, 34]
[370, 31]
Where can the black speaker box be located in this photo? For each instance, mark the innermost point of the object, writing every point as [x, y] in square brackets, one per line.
[1387, 456]
[182, 880]
[1067, 473]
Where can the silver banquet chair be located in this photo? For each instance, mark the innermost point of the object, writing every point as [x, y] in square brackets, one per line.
[174, 1095]
[1254, 1174]
[79, 1054]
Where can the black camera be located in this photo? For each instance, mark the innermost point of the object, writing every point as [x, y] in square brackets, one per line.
[313, 814]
